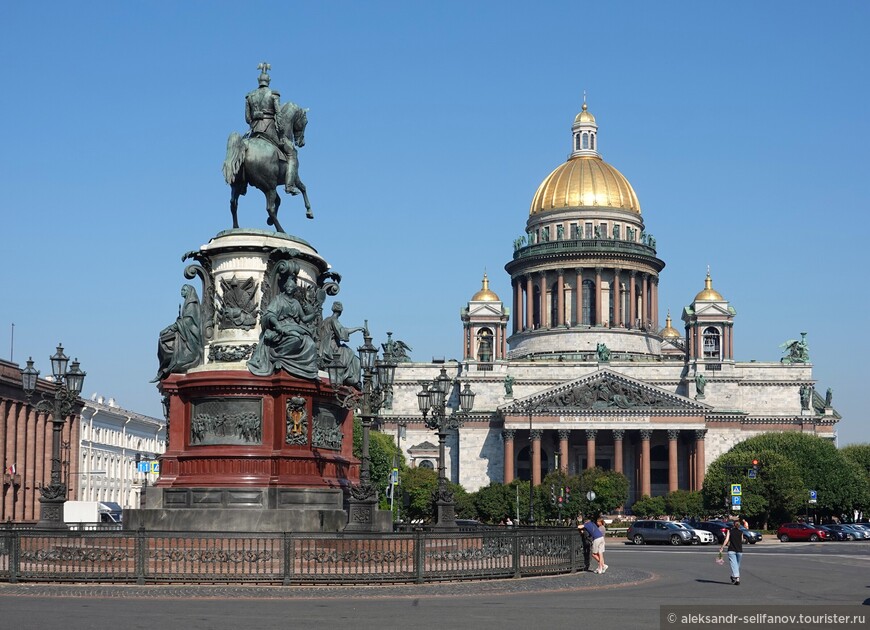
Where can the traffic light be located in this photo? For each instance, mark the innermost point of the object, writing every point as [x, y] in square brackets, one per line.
[755, 464]
[553, 494]
[567, 494]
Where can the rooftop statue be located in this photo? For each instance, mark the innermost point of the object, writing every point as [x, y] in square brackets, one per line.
[396, 350]
[797, 351]
[265, 157]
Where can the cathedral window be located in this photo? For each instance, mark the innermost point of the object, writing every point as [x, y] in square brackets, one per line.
[711, 343]
[575, 231]
[545, 234]
[616, 230]
[585, 141]
[577, 142]
[592, 141]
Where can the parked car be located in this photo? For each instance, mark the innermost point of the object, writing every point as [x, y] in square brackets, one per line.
[642, 532]
[834, 533]
[859, 532]
[800, 531]
[750, 536]
[699, 536]
[717, 528]
[863, 527]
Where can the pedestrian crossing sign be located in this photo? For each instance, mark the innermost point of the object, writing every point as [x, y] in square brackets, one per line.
[736, 489]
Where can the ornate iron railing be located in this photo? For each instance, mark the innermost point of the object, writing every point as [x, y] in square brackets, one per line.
[153, 557]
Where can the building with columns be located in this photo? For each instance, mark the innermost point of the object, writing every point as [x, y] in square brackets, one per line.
[588, 377]
[98, 449]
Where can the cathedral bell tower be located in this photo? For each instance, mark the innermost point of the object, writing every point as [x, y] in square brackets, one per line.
[484, 325]
[709, 328]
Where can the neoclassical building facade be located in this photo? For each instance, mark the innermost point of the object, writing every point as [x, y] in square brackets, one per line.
[580, 373]
[98, 448]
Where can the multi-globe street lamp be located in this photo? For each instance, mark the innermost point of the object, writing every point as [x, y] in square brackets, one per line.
[432, 401]
[62, 403]
[377, 383]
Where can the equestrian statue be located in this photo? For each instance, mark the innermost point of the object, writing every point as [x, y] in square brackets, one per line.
[265, 157]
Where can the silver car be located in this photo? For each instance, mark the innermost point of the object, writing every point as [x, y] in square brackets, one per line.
[642, 532]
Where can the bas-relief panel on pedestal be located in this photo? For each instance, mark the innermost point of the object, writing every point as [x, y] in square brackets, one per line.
[226, 421]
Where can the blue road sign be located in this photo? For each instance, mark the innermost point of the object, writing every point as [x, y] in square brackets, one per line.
[753, 473]
[813, 496]
[736, 489]
[736, 500]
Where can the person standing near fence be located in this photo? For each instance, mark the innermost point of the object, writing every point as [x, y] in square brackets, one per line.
[597, 544]
[603, 530]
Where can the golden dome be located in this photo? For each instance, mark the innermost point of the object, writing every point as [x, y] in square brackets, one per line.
[485, 295]
[709, 294]
[585, 181]
[669, 332]
[584, 116]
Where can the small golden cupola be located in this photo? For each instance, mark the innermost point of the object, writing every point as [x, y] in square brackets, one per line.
[709, 294]
[485, 294]
[669, 332]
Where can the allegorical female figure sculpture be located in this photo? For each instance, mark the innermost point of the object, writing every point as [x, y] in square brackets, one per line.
[286, 341]
[331, 346]
[180, 346]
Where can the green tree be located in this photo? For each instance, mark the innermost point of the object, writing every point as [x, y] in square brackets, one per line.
[382, 453]
[648, 507]
[494, 502]
[858, 453]
[815, 464]
[684, 503]
[773, 496]
[420, 484]
[610, 488]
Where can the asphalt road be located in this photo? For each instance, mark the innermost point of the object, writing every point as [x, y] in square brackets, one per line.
[628, 596]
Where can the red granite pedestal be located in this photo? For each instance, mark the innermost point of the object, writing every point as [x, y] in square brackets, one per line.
[251, 453]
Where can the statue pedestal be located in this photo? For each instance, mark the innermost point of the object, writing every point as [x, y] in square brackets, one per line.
[253, 452]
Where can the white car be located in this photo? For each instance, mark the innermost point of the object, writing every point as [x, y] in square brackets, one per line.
[698, 535]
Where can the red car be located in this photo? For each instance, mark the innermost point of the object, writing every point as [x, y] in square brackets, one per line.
[800, 531]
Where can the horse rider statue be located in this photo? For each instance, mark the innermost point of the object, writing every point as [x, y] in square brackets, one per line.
[261, 108]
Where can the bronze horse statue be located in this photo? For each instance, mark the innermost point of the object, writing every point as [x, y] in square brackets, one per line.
[255, 160]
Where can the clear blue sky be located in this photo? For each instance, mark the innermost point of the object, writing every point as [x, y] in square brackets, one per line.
[743, 128]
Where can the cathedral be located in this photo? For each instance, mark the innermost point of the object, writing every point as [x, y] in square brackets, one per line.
[576, 370]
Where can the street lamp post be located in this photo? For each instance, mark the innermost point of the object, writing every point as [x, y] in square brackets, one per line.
[377, 383]
[531, 472]
[432, 401]
[67, 387]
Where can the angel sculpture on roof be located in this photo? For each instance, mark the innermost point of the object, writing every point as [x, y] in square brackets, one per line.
[796, 350]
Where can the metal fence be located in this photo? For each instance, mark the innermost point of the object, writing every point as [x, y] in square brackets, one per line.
[153, 557]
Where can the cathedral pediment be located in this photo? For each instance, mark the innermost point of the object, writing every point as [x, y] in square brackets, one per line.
[604, 390]
[485, 309]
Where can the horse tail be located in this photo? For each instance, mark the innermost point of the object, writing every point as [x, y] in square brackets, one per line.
[235, 157]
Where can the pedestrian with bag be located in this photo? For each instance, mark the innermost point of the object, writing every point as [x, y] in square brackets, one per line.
[734, 543]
